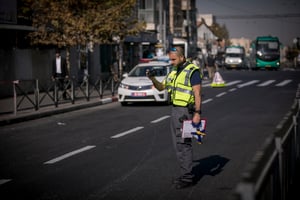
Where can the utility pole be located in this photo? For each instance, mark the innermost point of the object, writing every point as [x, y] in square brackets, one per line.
[165, 34]
[188, 25]
[161, 25]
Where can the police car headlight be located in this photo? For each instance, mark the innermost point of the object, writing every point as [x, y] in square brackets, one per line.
[124, 86]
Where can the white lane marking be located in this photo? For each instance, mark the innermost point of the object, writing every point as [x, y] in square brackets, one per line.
[160, 119]
[266, 83]
[72, 153]
[3, 181]
[221, 94]
[206, 85]
[232, 89]
[227, 84]
[206, 101]
[127, 132]
[247, 83]
[233, 82]
[283, 83]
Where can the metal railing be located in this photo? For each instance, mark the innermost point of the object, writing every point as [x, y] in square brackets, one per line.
[30, 94]
[271, 173]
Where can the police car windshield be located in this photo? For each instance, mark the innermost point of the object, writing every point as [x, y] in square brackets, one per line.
[140, 71]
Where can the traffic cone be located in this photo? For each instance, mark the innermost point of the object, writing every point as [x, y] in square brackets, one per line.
[217, 81]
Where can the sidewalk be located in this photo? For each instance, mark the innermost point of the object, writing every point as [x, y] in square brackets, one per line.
[8, 117]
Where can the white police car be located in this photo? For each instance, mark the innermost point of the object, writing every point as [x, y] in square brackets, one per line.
[137, 87]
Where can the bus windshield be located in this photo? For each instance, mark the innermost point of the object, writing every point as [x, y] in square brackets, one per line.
[267, 46]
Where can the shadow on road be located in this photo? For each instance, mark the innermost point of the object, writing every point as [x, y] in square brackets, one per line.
[211, 165]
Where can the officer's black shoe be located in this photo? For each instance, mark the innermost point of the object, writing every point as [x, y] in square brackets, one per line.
[183, 184]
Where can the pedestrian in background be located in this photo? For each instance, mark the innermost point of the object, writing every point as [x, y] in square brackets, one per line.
[184, 86]
[211, 66]
[114, 68]
[60, 71]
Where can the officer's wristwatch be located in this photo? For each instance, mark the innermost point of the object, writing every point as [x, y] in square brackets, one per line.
[198, 111]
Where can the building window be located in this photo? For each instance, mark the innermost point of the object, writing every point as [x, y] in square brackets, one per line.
[146, 11]
[146, 4]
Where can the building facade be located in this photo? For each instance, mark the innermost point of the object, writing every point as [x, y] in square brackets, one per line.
[183, 25]
[166, 22]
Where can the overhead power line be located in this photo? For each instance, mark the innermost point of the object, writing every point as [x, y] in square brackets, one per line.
[257, 16]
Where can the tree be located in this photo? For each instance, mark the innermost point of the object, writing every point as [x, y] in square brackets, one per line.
[66, 23]
[221, 32]
[83, 23]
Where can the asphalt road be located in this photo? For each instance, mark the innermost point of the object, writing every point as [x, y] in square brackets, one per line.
[114, 152]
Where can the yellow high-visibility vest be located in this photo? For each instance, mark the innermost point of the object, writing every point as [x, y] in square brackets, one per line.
[179, 86]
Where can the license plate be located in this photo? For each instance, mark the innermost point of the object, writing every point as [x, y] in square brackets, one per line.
[138, 94]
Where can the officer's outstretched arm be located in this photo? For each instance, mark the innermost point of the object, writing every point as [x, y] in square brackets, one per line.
[158, 85]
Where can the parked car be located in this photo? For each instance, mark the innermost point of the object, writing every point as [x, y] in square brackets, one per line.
[137, 87]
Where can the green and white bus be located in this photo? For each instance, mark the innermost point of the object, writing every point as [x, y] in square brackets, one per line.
[265, 53]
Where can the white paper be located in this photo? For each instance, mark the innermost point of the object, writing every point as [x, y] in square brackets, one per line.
[188, 129]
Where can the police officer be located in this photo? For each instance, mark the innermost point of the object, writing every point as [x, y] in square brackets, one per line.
[184, 86]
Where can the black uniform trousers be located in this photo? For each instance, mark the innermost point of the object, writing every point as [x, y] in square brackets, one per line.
[183, 146]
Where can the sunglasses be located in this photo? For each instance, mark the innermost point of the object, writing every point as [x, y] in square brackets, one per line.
[178, 51]
[173, 49]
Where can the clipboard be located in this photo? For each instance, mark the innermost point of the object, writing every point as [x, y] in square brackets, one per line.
[188, 129]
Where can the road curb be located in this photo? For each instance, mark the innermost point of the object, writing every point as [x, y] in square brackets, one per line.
[39, 114]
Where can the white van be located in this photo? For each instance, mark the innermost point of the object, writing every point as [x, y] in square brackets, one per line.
[234, 57]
